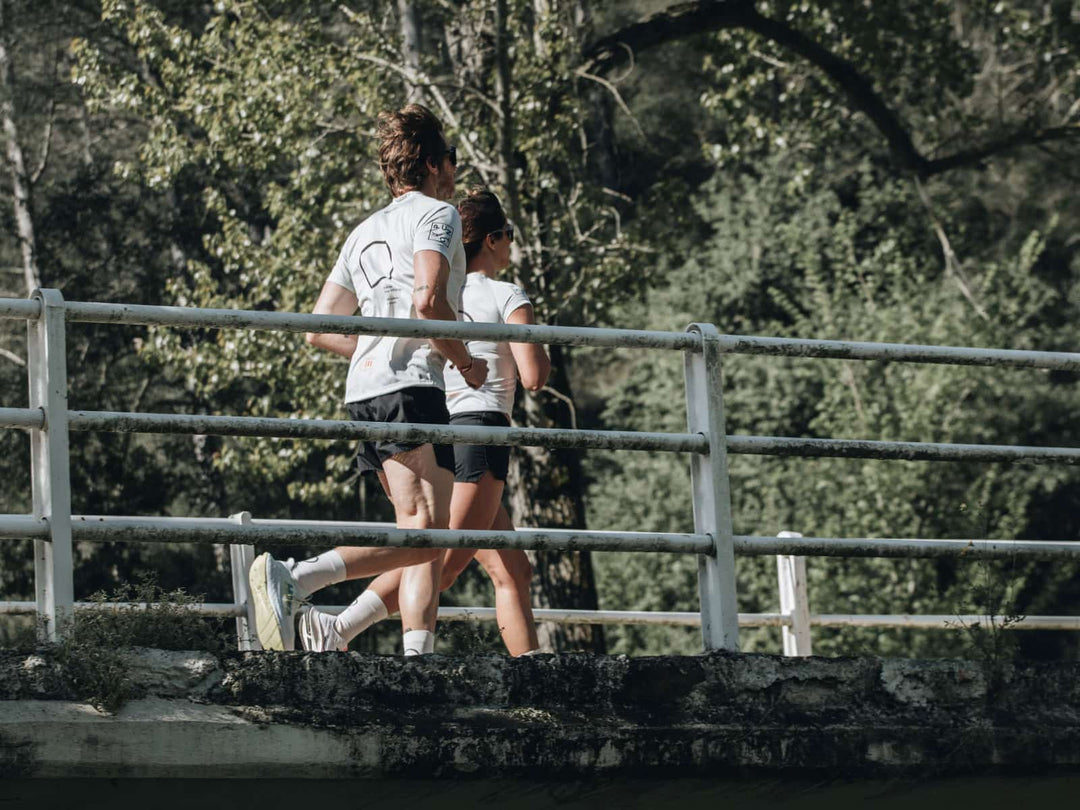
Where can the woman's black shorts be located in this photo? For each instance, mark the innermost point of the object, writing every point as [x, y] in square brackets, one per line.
[471, 461]
[421, 404]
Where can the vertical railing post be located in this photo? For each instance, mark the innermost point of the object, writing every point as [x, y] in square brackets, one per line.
[794, 602]
[50, 466]
[240, 559]
[712, 492]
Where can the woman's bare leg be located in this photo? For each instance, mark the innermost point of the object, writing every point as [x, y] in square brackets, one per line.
[509, 569]
[511, 574]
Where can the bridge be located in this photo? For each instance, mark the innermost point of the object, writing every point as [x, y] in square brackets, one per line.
[719, 703]
[53, 528]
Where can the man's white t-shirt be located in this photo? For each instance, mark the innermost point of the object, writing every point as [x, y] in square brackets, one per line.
[485, 300]
[376, 264]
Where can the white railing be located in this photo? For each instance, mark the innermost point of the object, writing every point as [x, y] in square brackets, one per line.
[53, 528]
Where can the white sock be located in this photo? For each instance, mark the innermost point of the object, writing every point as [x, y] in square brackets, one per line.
[419, 642]
[365, 610]
[530, 652]
[318, 572]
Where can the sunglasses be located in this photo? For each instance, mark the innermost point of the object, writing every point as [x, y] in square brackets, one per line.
[508, 229]
[451, 153]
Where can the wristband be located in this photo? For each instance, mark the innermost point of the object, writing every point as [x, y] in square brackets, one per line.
[463, 369]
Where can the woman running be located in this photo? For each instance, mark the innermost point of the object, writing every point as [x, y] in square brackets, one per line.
[480, 471]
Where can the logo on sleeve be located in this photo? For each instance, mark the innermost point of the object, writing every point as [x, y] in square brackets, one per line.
[441, 232]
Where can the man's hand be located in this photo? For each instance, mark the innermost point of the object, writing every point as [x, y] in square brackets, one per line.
[476, 374]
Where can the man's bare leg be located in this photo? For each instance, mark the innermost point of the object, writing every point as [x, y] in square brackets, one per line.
[509, 569]
[420, 490]
[386, 585]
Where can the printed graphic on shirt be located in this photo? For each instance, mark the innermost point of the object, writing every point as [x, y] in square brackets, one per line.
[376, 263]
[441, 232]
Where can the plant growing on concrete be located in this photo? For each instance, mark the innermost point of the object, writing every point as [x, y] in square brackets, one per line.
[93, 656]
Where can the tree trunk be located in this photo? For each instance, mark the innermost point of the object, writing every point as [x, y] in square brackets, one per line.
[409, 17]
[545, 486]
[22, 189]
[546, 489]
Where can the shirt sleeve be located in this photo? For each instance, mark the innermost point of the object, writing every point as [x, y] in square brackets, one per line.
[440, 230]
[512, 298]
[340, 275]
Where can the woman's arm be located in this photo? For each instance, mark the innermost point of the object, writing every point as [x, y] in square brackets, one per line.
[533, 363]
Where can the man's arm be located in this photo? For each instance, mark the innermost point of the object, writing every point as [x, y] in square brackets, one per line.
[432, 272]
[334, 300]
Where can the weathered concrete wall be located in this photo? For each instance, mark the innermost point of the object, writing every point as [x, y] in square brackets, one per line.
[351, 715]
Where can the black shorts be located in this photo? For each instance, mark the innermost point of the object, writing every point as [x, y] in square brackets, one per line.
[422, 404]
[471, 461]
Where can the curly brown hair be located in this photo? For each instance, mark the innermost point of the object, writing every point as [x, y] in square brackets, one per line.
[481, 213]
[407, 138]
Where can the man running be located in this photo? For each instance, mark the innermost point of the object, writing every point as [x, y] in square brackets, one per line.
[404, 261]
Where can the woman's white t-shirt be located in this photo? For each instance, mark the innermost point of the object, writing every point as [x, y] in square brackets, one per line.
[485, 300]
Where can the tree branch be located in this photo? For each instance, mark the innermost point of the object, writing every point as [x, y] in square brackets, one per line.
[14, 358]
[46, 142]
[953, 267]
[688, 19]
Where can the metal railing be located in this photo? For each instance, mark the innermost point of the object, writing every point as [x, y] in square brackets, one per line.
[53, 528]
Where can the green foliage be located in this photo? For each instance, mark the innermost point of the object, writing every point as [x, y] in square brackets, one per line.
[956, 75]
[746, 191]
[139, 615]
[852, 259]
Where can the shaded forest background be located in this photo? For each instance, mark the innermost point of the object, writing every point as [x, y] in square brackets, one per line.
[901, 171]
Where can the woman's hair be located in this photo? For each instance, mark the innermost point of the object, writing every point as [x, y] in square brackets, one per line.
[481, 214]
[407, 138]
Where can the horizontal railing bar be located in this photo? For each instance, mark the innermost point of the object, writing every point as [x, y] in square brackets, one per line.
[947, 622]
[206, 608]
[136, 314]
[487, 614]
[630, 617]
[26, 309]
[898, 352]
[97, 528]
[899, 451]
[120, 422]
[635, 617]
[20, 527]
[901, 547]
[930, 622]
[22, 418]
[161, 530]
[143, 315]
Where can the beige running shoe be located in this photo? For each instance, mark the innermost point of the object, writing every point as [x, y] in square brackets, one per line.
[274, 595]
[317, 633]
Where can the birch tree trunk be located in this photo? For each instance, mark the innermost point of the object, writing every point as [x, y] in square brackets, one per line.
[22, 188]
[409, 17]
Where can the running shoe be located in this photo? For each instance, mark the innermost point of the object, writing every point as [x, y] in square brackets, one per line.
[274, 594]
[317, 633]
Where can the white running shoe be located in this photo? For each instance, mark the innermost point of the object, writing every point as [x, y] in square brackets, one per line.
[317, 633]
[275, 596]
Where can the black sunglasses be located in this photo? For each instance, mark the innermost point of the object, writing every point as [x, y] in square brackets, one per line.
[508, 229]
[451, 152]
